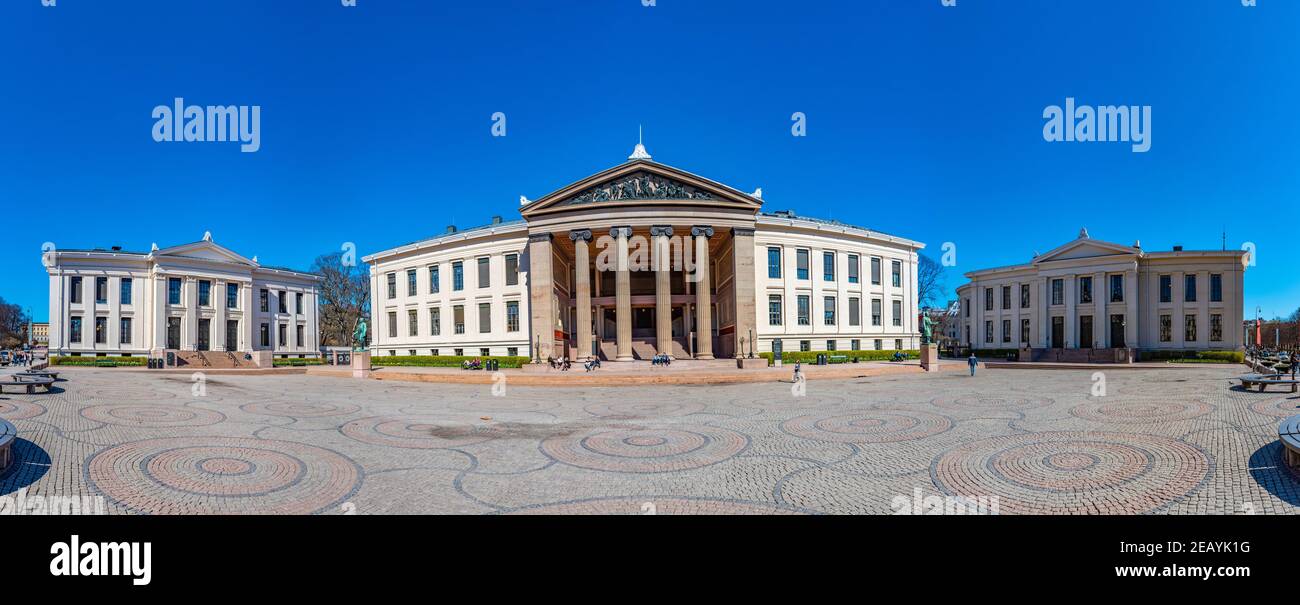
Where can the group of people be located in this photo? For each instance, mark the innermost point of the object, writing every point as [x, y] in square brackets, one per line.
[562, 364]
[18, 358]
[660, 360]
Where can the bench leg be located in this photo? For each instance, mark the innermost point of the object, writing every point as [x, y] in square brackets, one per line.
[1261, 387]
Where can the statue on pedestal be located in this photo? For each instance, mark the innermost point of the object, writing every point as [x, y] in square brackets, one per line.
[359, 335]
[927, 334]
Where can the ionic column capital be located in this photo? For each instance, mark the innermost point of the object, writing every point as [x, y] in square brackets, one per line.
[616, 232]
[742, 231]
[580, 234]
[704, 231]
[539, 237]
[661, 230]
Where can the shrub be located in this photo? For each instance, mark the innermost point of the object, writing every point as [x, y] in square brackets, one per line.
[444, 361]
[297, 361]
[91, 361]
[1193, 356]
[811, 356]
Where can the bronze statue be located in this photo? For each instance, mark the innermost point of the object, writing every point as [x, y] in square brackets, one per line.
[926, 333]
[359, 335]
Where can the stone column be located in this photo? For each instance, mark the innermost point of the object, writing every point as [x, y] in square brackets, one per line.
[1071, 313]
[541, 290]
[663, 289]
[247, 331]
[744, 275]
[703, 300]
[1100, 319]
[582, 283]
[622, 296]
[218, 299]
[1131, 309]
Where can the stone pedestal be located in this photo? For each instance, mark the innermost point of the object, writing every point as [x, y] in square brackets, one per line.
[930, 357]
[361, 364]
[746, 363]
[263, 359]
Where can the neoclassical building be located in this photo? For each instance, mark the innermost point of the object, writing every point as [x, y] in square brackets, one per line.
[644, 259]
[1107, 302]
[199, 300]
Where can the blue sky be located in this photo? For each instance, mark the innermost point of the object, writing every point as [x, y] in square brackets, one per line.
[923, 121]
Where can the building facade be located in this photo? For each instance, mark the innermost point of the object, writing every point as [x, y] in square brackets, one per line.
[644, 259]
[1106, 297]
[40, 336]
[198, 297]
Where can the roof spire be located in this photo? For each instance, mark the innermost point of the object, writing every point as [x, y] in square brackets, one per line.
[639, 152]
[1083, 233]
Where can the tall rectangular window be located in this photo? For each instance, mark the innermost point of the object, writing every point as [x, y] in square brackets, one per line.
[801, 264]
[413, 322]
[897, 309]
[410, 282]
[1006, 330]
[392, 324]
[300, 330]
[1189, 288]
[74, 290]
[173, 291]
[1058, 292]
[232, 334]
[457, 276]
[1006, 297]
[484, 273]
[264, 300]
[1166, 289]
[1166, 328]
[283, 334]
[512, 316]
[435, 321]
[896, 272]
[875, 271]
[264, 335]
[802, 309]
[828, 266]
[855, 311]
[853, 268]
[1024, 330]
[173, 332]
[1216, 327]
[1216, 287]
[124, 290]
[297, 303]
[205, 335]
[988, 299]
[875, 311]
[74, 328]
[828, 311]
[205, 293]
[101, 330]
[831, 346]
[280, 300]
[774, 310]
[1024, 296]
[512, 269]
[484, 318]
[392, 285]
[124, 331]
[458, 319]
[232, 296]
[988, 331]
[101, 290]
[433, 279]
[1085, 290]
[774, 263]
[1117, 288]
[1189, 324]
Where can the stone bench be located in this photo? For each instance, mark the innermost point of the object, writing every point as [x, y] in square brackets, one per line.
[1266, 380]
[1289, 434]
[29, 383]
[7, 436]
[39, 373]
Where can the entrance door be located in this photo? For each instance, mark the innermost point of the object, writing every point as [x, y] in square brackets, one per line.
[173, 332]
[1058, 332]
[232, 334]
[1117, 331]
[205, 334]
[1085, 331]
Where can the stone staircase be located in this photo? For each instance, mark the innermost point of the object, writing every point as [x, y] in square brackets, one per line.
[641, 349]
[211, 359]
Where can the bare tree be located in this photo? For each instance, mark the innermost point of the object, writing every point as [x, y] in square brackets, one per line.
[344, 297]
[929, 282]
[13, 325]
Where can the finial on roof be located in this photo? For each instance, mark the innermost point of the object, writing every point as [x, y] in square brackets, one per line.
[1083, 233]
[523, 200]
[153, 247]
[254, 258]
[207, 236]
[1035, 254]
[639, 152]
[1137, 243]
[758, 193]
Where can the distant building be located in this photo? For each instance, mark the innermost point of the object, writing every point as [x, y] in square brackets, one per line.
[40, 335]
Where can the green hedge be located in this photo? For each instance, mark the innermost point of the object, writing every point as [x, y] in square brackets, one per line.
[444, 361]
[999, 353]
[811, 356]
[1194, 356]
[297, 361]
[86, 360]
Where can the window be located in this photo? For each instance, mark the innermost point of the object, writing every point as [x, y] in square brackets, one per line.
[297, 303]
[173, 291]
[512, 269]
[1216, 327]
[392, 286]
[965, 304]
[1117, 288]
[457, 276]
[283, 334]
[1216, 288]
[855, 345]
[484, 273]
[458, 319]
[411, 352]
[74, 329]
[458, 352]
[896, 271]
[173, 332]
[485, 352]
[392, 324]
[232, 296]
[232, 334]
[435, 321]
[875, 271]
[774, 309]
[74, 295]
[828, 266]
[853, 268]
[205, 335]
[410, 282]
[1166, 328]
[484, 318]
[897, 309]
[512, 351]
[1189, 325]
[281, 301]
[898, 344]
[300, 335]
[802, 309]
[801, 264]
[101, 290]
[264, 300]
[512, 316]
[875, 311]
[124, 331]
[831, 346]
[774, 264]
[1058, 292]
[880, 344]
[205, 293]
[124, 290]
[805, 345]
[1166, 289]
[988, 299]
[828, 311]
[433, 279]
[101, 330]
[1024, 331]
[1189, 288]
[1006, 330]
[1024, 296]
[1085, 290]
[855, 312]
[1006, 297]
[988, 331]
[413, 322]
[265, 335]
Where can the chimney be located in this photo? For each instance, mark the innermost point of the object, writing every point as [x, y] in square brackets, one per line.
[117, 248]
[1178, 248]
[451, 228]
[496, 220]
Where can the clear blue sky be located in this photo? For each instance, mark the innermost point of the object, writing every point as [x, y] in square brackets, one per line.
[923, 121]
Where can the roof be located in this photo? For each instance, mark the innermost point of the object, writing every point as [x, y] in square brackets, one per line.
[793, 219]
[459, 234]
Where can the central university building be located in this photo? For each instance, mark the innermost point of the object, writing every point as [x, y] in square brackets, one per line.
[644, 259]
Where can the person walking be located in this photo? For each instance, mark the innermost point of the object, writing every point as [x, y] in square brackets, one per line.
[972, 362]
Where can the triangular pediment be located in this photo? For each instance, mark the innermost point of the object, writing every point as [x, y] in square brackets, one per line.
[205, 250]
[1086, 248]
[641, 182]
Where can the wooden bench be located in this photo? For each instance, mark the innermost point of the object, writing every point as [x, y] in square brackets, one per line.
[28, 382]
[1265, 380]
[838, 359]
[1289, 434]
[7, 436]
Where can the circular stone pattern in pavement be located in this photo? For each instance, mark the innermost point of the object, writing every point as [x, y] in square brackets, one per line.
[641, 409]
[504, 404]
[1280, 407]
[299, 409]
[211, 475]
[981, 403]
[12, 410]
[151, 415]
[646, 450]
[1060, 473]
[1141, 412]
[418, 432]
[654, 506]
[868, 426]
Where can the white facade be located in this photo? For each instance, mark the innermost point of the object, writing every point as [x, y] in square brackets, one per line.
[193, 297]
[1090, 294]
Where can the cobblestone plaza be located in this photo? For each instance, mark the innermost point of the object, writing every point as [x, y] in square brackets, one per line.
[1160, 441]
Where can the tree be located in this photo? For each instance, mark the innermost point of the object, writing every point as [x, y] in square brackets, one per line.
[13, 325]
[344, 297]
[929, 282]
